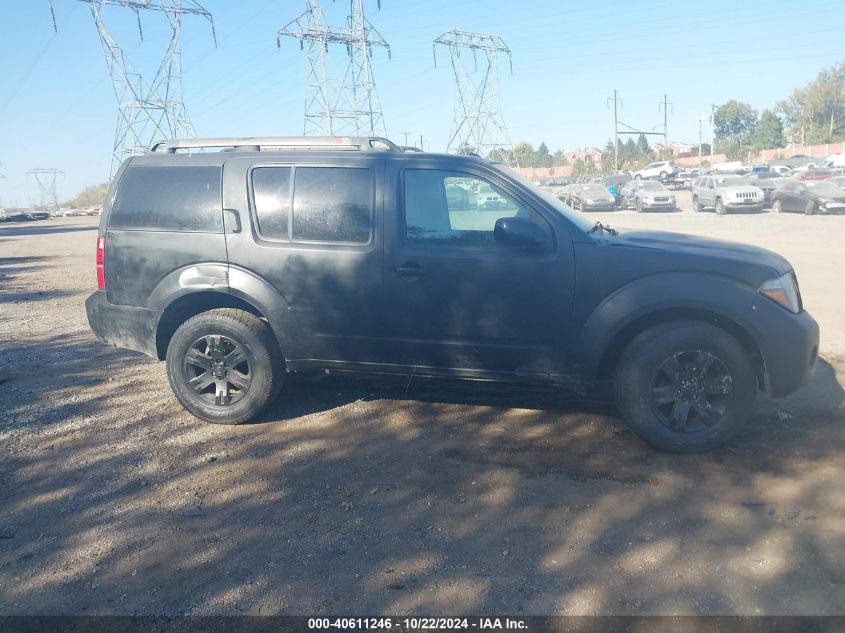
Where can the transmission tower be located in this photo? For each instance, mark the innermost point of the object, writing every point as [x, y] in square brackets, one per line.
[46, 180]
[146, 110]
[338, 104]
[478, 126]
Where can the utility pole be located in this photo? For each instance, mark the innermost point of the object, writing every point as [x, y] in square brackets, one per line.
[406, 137]
[46, 178]
[713, 109]
[421, 143]
[700, 118]
[146, 110]
[615, 129]
[478, 125]
[665, 105]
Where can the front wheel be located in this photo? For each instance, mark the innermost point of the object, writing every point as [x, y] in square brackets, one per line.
[638, 177]
[639, 206]
[685, 387]
[696, 205]
[663, 176]
[224, 366]
[811, 208]
[777, 206]
[720, 207]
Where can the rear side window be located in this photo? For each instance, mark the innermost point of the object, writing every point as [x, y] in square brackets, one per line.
[330, 204]
[172, 198]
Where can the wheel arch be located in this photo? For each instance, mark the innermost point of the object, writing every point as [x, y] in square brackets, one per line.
[189, 305]
[624, 336]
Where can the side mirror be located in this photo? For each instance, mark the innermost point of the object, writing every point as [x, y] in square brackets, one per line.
[519, 233]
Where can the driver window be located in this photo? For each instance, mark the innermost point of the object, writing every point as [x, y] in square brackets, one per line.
[454, 208]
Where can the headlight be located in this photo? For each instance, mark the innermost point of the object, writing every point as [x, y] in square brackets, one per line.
[783, 290]
[672, 198]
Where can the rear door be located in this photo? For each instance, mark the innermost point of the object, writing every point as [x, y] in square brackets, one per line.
[166, 217]
[310, 230]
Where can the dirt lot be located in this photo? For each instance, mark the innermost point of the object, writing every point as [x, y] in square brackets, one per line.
[356, 496]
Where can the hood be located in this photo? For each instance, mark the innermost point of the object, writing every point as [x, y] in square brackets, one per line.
[747, 263]
[739, 189]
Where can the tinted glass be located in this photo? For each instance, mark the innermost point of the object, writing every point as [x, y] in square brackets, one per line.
[271, 192]
[172, 198]
[332, 204]
[454, 208]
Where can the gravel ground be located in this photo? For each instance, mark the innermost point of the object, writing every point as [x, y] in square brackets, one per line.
[364, 496]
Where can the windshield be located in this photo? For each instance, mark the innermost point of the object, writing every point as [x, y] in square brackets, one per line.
[578, 219]
[732, 181]
[824, 189]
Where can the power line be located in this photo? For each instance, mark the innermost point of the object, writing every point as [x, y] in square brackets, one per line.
[338, 104]
[146, 111]
[478, 126]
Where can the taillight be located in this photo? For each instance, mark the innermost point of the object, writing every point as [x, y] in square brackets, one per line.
[101, 260]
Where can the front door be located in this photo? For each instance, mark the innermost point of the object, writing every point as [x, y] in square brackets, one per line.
[457, 300]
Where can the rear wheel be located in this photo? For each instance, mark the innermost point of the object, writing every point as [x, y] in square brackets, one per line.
[811, 208]
[720, 207]
[777, 206]
[685, 387]
[224, 366]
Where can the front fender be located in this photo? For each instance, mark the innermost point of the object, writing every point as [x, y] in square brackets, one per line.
[681, 292]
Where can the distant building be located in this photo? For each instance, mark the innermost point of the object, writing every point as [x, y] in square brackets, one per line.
[676, 147]
[586, 155]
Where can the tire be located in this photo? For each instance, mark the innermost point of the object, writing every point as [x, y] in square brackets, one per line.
[811, 208]
[724, 392]
[638, 177]
[696, 205]
[720, 207]
[639, 206]
[226, 392]
[663, 176]
[777, 206]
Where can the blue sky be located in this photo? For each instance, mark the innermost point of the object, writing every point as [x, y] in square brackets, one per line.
[57, 108]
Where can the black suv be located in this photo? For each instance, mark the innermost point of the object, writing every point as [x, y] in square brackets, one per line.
[277, 255]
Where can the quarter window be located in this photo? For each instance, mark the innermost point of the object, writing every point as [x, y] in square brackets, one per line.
[169, 198]
[271, 192]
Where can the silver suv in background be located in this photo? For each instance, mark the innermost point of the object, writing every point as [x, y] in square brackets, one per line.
[647, 195]
[726, 193]
[661, 169]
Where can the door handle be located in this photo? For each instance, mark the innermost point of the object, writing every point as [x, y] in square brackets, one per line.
[411, 270]
[232, 221]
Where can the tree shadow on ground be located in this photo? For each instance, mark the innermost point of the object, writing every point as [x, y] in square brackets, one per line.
[362, 499]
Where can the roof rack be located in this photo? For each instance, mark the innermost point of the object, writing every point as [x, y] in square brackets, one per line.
[271, 143]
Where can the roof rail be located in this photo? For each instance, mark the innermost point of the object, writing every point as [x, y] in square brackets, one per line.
[259, 143]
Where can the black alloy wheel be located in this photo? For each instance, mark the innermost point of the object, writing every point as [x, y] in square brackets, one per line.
[691, 391]
[217, 369]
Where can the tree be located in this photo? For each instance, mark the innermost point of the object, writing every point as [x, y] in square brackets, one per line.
[642, 145]
[92, 196]
[607, 156]
[769, 132]
[816, 112]
[560, 158]
[542, 157]
[734, 121]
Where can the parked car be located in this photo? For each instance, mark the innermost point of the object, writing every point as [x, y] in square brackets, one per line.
[32, 214]
[13, 215]
[767, 185]
[817, 174]
[592, 196]
[810, 197]
[687, 177]
[661, 169]
[648, 195]
[565, 192]
[783, 170]
[330, 260]
[726, 193]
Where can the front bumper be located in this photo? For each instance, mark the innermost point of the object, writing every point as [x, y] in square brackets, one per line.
[665, 206]
[599, 206]
[789, 344]
[744, 206]
[122, 326]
